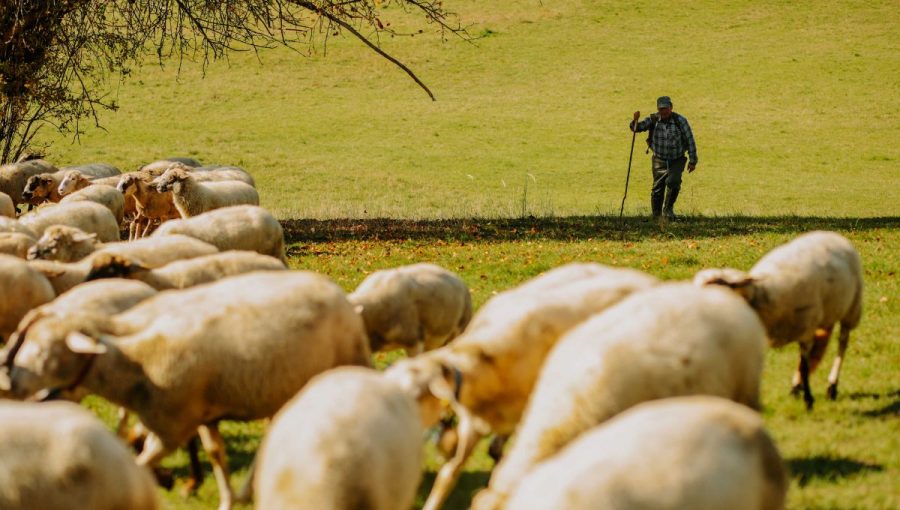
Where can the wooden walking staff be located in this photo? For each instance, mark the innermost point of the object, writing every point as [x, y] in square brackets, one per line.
[628, 175]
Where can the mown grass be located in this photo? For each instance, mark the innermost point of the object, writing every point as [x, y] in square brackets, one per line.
[519, 164]
[791, 104]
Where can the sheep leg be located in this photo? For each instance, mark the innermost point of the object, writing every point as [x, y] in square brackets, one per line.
[153, 452]
[820, 344]
[835, 374]
[495, 450]
[122, 427]
[196, 479]
[215, 449]
[245, 494]
[804, 377]
[449, 473]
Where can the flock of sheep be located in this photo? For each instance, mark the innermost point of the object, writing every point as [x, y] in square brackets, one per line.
[623, 391]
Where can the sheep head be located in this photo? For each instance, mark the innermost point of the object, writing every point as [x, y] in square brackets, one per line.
[70, 182]
[37, 187]
[61, 243]
[111, 265]
[432, 381]
[53, 354]
[175, 174]
[127, 184]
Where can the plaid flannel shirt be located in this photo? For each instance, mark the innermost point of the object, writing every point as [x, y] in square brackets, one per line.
[670, 139]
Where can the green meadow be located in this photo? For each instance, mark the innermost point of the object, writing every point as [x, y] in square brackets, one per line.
[520, 166]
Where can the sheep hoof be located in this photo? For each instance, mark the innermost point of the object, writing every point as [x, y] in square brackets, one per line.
[797, 390]
[809, 402]
[164, 478]
[832, 391]
[189, 488]
[495, 450]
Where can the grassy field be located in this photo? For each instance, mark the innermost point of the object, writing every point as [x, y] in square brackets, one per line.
[520, 166]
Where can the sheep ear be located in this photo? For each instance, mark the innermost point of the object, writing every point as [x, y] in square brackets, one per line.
[446, 387]
[735, 283]
[80, 343]
[84, 236]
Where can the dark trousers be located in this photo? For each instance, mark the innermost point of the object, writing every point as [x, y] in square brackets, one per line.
[666, 184]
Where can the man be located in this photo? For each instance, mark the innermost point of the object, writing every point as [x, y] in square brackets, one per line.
[670, 137]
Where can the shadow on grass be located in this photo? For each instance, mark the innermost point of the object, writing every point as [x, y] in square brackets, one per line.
[565, 228]
[827, 468]
[892, 409]
[469, 483]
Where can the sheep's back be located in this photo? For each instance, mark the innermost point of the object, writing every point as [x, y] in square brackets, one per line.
[701, 453]
[268, 332]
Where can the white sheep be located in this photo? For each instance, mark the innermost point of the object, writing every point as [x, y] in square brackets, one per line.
[14, 175]
[7, 208]
[23, 289]
[57, 456]
[417, 307]
[238, 348]
[192, 197]
[701, 453]
[672, 340]
[351, 439]
[107, 196]
[486, 374]
[243, 227]
[182, 274]
[70, 244]
[74, 180]
[87, 216]
[106, 297]
[15, 244]
[800, 291]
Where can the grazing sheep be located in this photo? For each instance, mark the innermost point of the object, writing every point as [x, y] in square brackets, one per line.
[69, 244]
[701, 453]
[158, 167]
[14, 175]
[15, 244]
[42, 188]
[237, 349]
[418, 307]
[800, 291]
[58, 456]
[672, 340]
[350, 439]
[23, 289]
[62, 275]
[7, 208]
[192, 197]
[486, 374]
[85, 215]
[243, 227]
[183, 273]
[107, 196]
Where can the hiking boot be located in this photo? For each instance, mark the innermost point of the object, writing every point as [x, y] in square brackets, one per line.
[669, 206]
